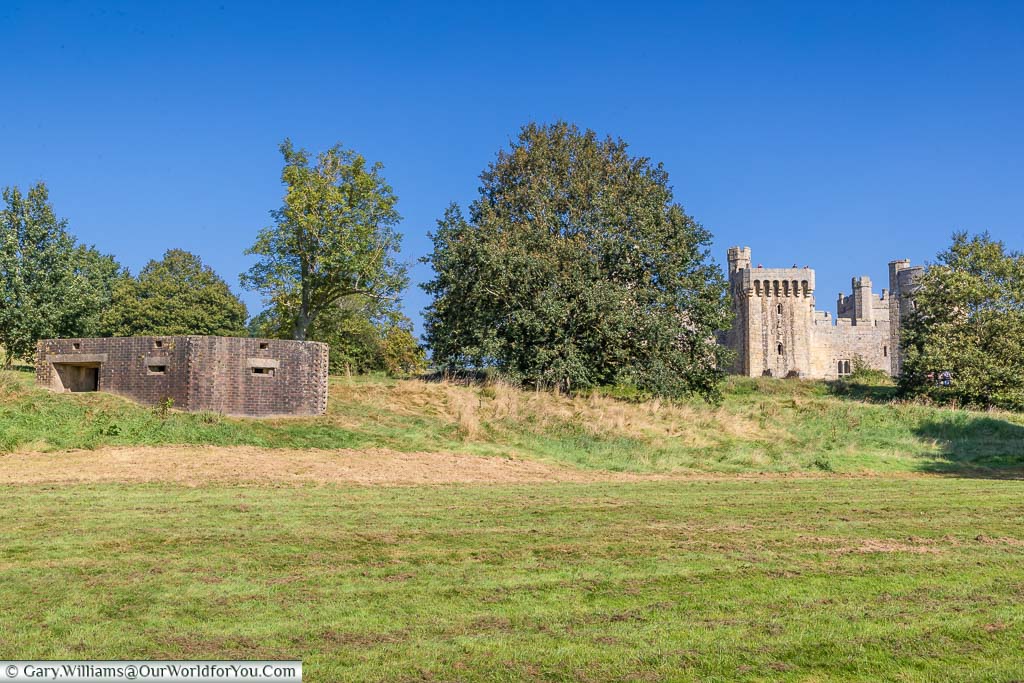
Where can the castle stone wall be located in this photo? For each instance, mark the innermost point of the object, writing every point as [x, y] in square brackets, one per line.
[777, 331]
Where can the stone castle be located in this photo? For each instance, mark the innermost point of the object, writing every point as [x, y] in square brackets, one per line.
[777, 332]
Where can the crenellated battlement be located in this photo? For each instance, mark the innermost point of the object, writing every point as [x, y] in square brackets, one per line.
[777, 282]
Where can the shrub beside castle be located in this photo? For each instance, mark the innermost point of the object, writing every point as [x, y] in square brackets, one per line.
[963, 340]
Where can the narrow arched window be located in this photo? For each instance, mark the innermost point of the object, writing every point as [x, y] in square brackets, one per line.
[779, 309]
[846, 367]
[840, 369]
[781, 350]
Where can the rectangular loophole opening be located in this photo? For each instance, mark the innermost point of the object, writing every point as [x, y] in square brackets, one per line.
[263, 346]
[76, 346]
[156, 369]
[159, 344]
[263, 372]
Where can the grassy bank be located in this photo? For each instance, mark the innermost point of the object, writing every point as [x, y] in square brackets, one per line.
[762, 425]
[813, 579]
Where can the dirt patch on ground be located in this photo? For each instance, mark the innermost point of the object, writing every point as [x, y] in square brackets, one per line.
[200, 465]
[889, 546]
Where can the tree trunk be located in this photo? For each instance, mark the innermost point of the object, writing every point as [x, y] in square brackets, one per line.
[301, 326]
[303, 319]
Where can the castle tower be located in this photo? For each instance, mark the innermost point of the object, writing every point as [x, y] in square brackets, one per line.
[863, 312]
[902, 284]
[773, 311]
[739, 259]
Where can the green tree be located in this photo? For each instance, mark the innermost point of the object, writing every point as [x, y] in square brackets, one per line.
[363, 335]
[968, 320]
[104, 274]
[401, 354]
[50, 286]
[576, 268]
[175, 295]
[332, 239]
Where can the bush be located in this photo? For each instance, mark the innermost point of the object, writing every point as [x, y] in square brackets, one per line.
[967, 320]
[864, 374]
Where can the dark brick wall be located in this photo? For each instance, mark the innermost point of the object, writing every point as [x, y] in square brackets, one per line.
[234, 376]
[123, 366]
[259, 377]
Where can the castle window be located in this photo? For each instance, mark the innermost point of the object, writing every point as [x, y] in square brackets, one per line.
[779, 309]
[885, 351]
[844, 368]
[781, 350]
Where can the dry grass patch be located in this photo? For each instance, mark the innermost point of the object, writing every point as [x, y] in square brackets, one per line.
[477, 410]
[207, 465]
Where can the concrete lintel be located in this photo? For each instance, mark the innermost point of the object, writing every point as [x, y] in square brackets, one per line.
[77, 358]
[262, 363]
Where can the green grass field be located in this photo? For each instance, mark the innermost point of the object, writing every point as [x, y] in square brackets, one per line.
[850, 579]
[843, 536]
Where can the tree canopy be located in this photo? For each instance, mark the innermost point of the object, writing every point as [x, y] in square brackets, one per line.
[576, 268]
[333, 238]
[968, 320]
[363, 335]
[175, 295]
[50, 286]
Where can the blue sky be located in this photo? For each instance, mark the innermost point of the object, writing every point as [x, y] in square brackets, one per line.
[836, 135]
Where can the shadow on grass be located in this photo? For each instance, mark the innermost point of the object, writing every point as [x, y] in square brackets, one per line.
[975, 446]
[460, 377]
[862, 391]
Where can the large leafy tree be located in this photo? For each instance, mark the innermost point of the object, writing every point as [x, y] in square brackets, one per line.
[102, 275]
[175, 295]
[576, 268]
[332, 239]
[363, 335]
[50, 286]
[968, 320]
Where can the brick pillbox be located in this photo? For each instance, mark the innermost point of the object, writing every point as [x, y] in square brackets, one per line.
[229, 375]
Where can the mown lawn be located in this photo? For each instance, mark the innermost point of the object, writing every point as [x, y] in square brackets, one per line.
[805, 579]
